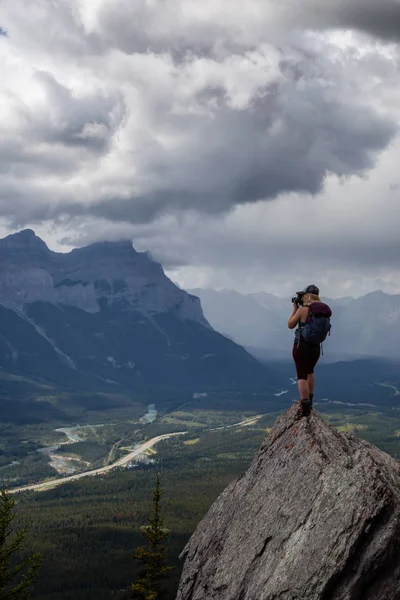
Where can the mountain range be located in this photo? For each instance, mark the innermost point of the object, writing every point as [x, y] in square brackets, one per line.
[368, 326]
[106, 316]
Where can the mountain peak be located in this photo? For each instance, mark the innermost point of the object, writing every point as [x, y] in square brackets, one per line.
[22, 241]
[376, 294]
[108, 246]
[316, 515]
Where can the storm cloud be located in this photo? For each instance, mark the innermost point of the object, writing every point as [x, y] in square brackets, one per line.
[381, 19]
[216, 27]
[156, 119]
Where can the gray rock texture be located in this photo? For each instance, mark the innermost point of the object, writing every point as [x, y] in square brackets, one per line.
[316, 516]
[30, 272]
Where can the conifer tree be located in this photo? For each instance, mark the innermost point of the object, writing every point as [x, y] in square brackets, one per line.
[16, 577]
[153, 556]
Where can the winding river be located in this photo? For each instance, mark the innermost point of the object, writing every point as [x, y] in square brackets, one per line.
[65, 464]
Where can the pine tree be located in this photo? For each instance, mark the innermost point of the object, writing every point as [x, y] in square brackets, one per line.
[153, 556]
[16, 578]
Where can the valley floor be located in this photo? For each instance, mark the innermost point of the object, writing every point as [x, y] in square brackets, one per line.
[87, 527]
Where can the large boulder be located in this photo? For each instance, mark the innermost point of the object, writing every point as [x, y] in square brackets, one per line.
[316, 516]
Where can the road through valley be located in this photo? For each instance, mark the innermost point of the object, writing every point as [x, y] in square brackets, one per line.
[48, 485]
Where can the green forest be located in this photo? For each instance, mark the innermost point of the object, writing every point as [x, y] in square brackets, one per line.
[87, 531]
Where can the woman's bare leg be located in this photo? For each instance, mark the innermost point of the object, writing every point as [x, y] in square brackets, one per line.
[303, 388]
[311, 383]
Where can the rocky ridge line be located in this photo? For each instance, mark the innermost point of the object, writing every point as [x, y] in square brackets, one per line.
[111, 271]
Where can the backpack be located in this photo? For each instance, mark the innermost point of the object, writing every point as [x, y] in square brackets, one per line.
[318, 324]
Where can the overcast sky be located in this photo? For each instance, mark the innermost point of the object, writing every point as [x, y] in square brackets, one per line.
[246, 146]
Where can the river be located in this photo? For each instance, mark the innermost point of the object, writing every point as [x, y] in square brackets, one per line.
[64, 464]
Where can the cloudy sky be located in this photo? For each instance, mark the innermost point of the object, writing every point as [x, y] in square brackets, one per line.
[245, 145]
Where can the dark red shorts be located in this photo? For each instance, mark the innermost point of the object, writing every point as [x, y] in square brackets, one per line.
[305, 358]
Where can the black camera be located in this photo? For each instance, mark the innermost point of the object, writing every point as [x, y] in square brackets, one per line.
[298, 299]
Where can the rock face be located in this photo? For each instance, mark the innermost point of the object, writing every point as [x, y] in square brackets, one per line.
[30, 272]
[105, 316]
[315, 517]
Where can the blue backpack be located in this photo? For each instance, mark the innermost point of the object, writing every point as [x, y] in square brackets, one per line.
[318, 324]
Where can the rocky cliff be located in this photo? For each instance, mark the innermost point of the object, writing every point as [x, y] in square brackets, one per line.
[106, 316]
[113, 271]
[315, 517]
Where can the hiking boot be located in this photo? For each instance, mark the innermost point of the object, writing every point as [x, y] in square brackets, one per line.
[305, 407]
[311, 399]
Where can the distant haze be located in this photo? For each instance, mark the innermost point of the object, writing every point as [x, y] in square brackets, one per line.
[366, 326]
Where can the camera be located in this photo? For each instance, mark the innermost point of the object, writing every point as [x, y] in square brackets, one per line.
[298, 299]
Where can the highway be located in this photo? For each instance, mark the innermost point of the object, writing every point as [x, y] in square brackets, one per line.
[48, 485]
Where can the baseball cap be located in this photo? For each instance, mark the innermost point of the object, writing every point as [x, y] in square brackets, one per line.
[310, 289]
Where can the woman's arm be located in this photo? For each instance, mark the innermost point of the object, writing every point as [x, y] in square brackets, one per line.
[296, 315]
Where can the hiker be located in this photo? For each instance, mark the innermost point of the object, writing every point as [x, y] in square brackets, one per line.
[312, 318]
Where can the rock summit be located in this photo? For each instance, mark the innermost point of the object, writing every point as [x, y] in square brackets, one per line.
[315, 517]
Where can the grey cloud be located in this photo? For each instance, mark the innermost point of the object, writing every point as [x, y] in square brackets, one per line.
[3, 32]
[294, 252]
[218, 258]
[19, 208]
[217, 255]
[171, 27]
[288, 141]
[141, 27]
[57, 138]
[51, 27]
[294, 132]
[165, 157]
[166, 27]
[90, 121]
[381, 19]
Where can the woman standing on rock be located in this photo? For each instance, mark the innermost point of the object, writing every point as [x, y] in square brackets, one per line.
[312, 318]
